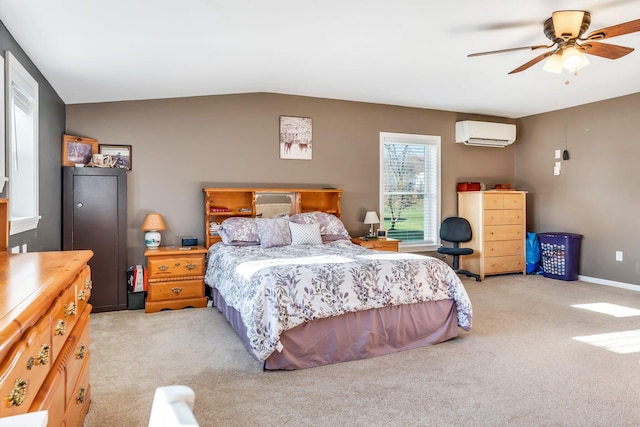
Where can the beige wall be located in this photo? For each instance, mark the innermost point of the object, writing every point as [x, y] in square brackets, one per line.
[182, 145]
[598, 192]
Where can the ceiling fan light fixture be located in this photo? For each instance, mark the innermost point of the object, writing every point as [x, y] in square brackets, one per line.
[567, 23]
[572, 58]
[554, 63]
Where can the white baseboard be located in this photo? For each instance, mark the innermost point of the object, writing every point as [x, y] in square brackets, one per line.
[610, 283]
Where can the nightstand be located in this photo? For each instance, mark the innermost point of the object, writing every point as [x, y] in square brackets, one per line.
[379, 244]
[175, 278]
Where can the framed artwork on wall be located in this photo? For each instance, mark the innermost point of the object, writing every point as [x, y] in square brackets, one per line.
[296, 138]
[120, 155]
[78, 150]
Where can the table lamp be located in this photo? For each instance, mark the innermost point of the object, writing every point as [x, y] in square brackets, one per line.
[153, 224]
[371, 218]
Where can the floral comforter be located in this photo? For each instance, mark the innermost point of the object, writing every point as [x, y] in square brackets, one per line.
[279, 288]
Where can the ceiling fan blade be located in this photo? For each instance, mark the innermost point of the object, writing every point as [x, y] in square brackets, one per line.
[609, 51]
[614, 31]
[513, 49]
[533, 62]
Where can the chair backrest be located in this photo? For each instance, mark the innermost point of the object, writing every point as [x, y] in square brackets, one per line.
[455, 229]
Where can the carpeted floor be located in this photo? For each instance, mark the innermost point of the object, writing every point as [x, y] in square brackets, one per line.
[519, 366]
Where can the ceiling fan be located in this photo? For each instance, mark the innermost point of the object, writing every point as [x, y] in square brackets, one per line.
[565, 29]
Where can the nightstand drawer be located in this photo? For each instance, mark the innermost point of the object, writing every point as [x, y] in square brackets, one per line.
[163, 291]
[378, 244]
[161, 267]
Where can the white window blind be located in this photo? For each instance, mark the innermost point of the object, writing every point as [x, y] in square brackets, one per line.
[22, 146]
[410, 189]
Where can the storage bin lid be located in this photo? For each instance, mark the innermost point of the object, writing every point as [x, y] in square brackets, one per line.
[561, 235]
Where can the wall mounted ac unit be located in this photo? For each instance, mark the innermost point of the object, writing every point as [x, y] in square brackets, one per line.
[485, 134]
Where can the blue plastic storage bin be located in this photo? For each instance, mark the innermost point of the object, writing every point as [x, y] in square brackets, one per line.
[560, 255]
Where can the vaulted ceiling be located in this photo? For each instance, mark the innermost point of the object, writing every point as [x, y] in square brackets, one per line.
[406, 52]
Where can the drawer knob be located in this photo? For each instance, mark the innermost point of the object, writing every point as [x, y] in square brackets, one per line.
[61, 327]
[163, 268]
[176, 290]
[81, 296]
[190, 266]
[70, 310]
[80, 353]
[18, 393]
[80, 397]
[177, 264]
[43, 355]
[88, 284]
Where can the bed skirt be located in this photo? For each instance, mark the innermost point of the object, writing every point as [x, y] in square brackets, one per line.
[353, 336]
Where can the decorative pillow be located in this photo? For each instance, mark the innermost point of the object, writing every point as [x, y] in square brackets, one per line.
[331, 228]
[273, 232]
[238, 231]
[305, 234]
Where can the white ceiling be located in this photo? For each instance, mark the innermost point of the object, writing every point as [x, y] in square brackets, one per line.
[401, 52]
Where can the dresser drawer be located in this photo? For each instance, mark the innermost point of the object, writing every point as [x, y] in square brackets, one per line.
[499, 200]
[506, 264]
[64, 313]
[25, 369]
[503, 232]
[79, 399]
[503, 247]
[163, 291]
[514, 201]
[51, 397]
[79, 351]
[173, 266]
[503, 217]
[83, 286]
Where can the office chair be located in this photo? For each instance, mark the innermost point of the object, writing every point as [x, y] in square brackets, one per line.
[456, 230]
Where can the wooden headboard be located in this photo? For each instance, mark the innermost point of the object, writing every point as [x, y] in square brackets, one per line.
[223, 203]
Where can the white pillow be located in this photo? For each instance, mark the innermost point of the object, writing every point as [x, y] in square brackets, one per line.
[305, 234]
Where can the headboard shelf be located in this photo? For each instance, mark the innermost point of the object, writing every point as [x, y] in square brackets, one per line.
[223, 203]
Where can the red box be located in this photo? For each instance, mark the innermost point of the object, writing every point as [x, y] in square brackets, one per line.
[468, 186]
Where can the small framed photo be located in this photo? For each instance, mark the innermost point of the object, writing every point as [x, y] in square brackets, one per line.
[120, 155]
[382, 233]
[77, 150]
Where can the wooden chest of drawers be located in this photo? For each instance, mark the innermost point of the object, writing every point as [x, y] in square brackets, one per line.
[44, 325]
[175, 278]
[498, 223]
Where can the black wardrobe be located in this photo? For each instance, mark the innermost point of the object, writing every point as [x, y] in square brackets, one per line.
[94, 216]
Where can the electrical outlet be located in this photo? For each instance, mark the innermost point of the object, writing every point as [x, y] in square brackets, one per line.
[619, 256]
[557, 154]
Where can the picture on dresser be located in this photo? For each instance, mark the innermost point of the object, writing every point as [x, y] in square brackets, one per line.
[77, 150]
[295, 138]
[120, 155]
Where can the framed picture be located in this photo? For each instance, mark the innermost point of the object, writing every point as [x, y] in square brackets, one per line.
[382, 233]
[78, 150]
[120, 155]
[295, 138]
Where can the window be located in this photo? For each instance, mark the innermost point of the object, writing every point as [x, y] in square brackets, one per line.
[410, 189]
[22, 146]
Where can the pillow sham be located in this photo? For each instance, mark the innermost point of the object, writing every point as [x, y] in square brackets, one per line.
[331, 228]
[273, 232]
[305, 234]
[238, 231]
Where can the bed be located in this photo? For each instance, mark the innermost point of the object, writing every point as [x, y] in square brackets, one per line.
[314, 298]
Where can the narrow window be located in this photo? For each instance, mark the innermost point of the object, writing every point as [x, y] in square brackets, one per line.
[410, 189]
[22, 146]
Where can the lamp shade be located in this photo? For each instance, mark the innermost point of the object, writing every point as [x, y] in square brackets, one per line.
[371, 218]
[153, 222]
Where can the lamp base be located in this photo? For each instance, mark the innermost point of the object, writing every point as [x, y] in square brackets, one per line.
[152, 239]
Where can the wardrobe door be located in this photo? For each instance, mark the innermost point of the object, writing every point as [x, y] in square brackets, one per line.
[94, 217]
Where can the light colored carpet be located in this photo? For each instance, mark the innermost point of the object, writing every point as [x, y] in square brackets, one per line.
[518, 366]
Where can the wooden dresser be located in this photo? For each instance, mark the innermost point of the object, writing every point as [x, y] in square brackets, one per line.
[498, 222]
[44, 335]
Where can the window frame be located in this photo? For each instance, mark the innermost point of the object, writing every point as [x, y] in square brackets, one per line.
[15, 72]
[417, 139]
